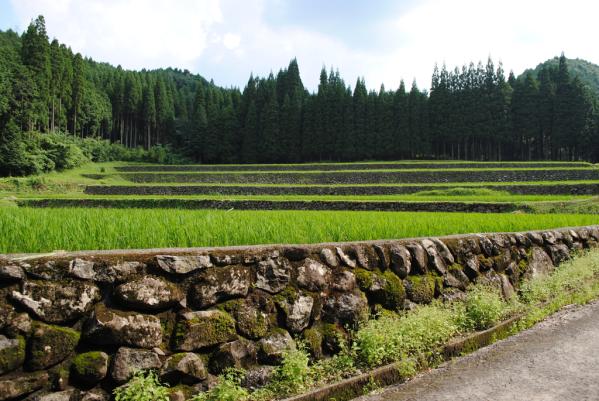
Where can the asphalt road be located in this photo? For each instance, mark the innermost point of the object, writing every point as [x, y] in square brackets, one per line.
[558, 359]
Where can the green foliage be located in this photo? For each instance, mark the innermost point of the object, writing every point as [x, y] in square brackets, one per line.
[393, 338]
[484, 307]
[228, 388]
[143, 387]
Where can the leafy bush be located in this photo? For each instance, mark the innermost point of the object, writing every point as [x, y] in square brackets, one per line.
[393, 338]
[483, 308]
[142, 387]
[28, 153]
[228, 388]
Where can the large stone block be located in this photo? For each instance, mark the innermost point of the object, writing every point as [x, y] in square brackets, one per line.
[111, 327]
[197, 330]
[50, 345]
[57, 302]
[220, 284]
[148, 294]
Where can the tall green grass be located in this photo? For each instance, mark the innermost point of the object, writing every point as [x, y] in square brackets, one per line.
[45, 230]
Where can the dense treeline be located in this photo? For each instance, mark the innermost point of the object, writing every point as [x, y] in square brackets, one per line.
[470, 113]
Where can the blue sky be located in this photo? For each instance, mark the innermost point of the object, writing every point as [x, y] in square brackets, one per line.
[382, 40]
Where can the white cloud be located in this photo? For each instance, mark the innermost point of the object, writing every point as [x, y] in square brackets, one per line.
[228, 39]
[231, 41]
[135, 33]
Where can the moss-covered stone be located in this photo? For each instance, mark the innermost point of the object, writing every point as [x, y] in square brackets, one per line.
[364, 278]
[196, 330]
[90, 367]
[334, 338]
[421, 289]
[313, 339]
[12, 353]
[394, 291]
[50, 345]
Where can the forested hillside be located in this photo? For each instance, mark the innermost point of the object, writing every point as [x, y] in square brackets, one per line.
[587, 72]
[473, 112]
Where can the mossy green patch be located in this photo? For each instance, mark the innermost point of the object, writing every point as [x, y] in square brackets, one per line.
[50, 345]
[90, 367]
[421, 289]
[313, 340]
[12, 356]
[203, 329]
[395, 293]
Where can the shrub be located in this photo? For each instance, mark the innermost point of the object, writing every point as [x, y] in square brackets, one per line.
[393, 338]
[142, 387]
[483, 308]
[228, 388]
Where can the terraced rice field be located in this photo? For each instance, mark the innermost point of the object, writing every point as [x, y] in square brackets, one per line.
[118, 205]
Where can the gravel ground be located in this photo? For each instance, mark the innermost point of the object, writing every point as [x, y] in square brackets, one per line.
[558, 359]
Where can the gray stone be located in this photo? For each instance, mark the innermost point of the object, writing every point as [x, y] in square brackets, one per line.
[50, 345]
[485, 245]
[419, 260]
[548, 237]
[435, 259]
[296, 253]
[12, 272]
[384, 258]
[83, 269]
[12, 354]
[240, 354]
[225, 260]
[66, 395]
[258, 377]
[401, 261]
[444, 251]
[272, 347]
[111, 327]
[313, 275]
[297, 313]
[535, 237]
[539, 263]
[558, 253]
[57, 302]
[96, 394]
[149, 293]
[183, 264]
[366, 257]
[124, 271]
[196, 330]
[507, 290]
[187, 368]
[345, 259]
[346, 308]
[21, 385]
[45, 271]
[273, 275]
[329, 257]
[472, 267]
[344, 281]
[220, 284]
[453, 295]
[253, 316]
[19, 324]
[127, 361]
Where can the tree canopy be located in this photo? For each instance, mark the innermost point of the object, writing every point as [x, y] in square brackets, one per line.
[471, 112]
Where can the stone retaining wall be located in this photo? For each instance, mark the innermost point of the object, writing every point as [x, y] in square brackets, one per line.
[73, 326]
[346, 166]
[558, 189]
[369, 177]
[388, 206]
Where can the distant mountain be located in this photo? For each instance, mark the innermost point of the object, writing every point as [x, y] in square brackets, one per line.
[586, 71]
